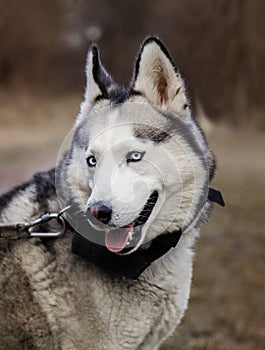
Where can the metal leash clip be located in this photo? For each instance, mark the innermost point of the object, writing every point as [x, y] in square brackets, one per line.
[24, 229]
[47, 218]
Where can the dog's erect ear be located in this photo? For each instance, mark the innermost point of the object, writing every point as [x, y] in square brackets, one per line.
[99, 81]
[157, 79]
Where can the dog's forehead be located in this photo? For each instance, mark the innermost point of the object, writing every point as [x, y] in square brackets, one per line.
[130, 120]
[110, 130]
[139, 111]
[134, 110]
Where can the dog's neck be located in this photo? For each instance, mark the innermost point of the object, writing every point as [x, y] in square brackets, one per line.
[175, 267]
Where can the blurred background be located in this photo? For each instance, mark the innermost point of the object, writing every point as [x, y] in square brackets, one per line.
[219, 47]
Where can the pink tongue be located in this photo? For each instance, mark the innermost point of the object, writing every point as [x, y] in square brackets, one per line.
[116, 239]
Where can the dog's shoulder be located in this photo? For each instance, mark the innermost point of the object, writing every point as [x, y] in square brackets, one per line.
[32, 198]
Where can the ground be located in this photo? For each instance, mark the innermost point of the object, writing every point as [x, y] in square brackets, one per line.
[226, 309]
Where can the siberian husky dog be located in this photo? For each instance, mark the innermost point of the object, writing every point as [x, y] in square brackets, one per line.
[136, 175]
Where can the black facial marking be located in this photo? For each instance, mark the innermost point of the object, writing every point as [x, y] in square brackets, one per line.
[151, 133]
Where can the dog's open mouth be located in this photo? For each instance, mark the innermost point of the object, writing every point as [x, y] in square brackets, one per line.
[124, 239]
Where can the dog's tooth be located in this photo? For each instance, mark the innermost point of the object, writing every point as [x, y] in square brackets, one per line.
[129, 238]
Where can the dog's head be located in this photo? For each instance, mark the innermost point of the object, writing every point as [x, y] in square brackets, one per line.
[138, 164]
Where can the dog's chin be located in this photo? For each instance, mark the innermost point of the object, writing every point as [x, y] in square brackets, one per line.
[136, 230]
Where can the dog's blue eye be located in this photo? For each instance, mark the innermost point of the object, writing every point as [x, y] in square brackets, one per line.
[91, 161]
[134, 156]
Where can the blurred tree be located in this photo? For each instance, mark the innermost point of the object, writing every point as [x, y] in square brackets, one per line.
[218, 46]
[28, 36]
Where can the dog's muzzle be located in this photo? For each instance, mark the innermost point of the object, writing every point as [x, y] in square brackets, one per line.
[89, 243]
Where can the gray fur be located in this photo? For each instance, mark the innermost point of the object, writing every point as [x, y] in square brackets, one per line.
[51, 299]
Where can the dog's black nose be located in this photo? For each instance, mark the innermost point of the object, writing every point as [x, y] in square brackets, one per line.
[101, 212]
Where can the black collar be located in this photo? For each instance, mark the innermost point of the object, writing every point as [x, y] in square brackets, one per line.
[131, 265]
[134, 264]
